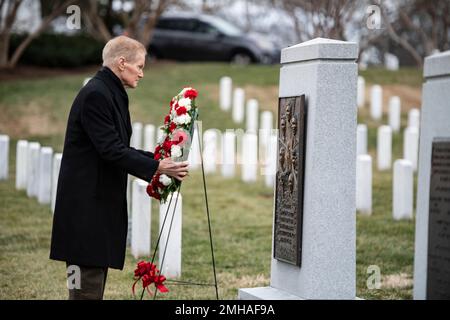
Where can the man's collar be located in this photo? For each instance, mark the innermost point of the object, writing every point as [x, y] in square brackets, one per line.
[112, 80]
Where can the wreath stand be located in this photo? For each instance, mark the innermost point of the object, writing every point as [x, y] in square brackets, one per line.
[179, 282]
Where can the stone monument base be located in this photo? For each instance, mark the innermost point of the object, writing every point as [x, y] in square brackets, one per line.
[266, 293]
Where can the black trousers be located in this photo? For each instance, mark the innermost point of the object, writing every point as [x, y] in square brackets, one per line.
[86, 283]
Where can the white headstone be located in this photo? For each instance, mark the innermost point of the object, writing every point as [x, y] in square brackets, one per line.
[194, 158]
[136, 136]
[85, 81]
[225, 93]
[403, 185]
[361, 139]
[361, 95]
[45, 175]
[394, 113]
[325, 71]
[229, 154]
[271, 161]
[249, 157]
[411, 146]
[264, 133]
[252, 116]
[364, 184]
[141, 219]
[149, 138]
[384, 148]
[33, 169]
[238, 105]
[376, 102]
[4, 157]
[171, 266]
[435, 128]
[55, 175]
[21, 164]
[211, 150]
[391, 62]
[414, 118]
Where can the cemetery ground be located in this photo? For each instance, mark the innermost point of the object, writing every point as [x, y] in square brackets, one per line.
[241, 213]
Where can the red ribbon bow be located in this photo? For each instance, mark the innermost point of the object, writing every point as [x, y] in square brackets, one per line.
[149, 274]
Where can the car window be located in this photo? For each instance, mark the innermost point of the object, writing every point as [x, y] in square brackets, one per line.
[203, 27]
[176, 24]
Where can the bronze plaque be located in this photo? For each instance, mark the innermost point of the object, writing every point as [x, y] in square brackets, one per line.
[438, 273]
[289, 180]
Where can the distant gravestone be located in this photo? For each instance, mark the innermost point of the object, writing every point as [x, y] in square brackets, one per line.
[211, 150]
[252, 116]
[414, 118]
[4, 157]
[33, 169]
[249, 157]
[21, 164]
[271, 161]
[265, 133]
[361, 139]
[136, 137]
[411, 145]
[361, 95]
[238, 112]
[384, 148]
[45, 175]
[149, 138]
[376, 102]
[364, 184]
[394, 113]
[229, 154]
[432, 238]
[225, 93]
[391, 62]
[194, 157]
[402, 197]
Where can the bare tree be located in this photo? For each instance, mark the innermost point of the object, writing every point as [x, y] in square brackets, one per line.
[144, 17]
[320, 18]
[419, 26]
[10, 8]
[94, 22]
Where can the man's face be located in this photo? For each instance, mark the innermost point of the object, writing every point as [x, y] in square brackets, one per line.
[133, 71]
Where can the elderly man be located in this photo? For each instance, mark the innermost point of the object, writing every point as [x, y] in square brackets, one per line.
[90, 220]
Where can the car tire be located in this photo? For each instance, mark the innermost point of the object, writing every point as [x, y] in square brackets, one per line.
[241, 58]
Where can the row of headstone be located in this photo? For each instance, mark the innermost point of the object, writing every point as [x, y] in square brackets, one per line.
[402, 174]
[37, 170]
[235, 100]
[224, 150]
[376, 106]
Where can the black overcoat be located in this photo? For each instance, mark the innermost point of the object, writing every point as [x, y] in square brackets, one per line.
[90, 221]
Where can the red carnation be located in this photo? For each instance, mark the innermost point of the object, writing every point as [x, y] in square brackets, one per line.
[167, 145]
[181, 110]
[172, 127]
[167, 119]
[191, 94]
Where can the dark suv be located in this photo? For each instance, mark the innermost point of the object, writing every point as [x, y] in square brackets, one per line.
[189, 37]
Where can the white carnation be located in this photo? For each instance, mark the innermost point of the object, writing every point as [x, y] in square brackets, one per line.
[165, 180]
[175, 151]
[185, 102]
[183, 119]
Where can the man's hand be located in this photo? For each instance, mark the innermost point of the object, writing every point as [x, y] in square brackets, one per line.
[177, 170]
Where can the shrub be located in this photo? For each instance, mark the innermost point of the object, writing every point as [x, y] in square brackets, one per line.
[59, 50]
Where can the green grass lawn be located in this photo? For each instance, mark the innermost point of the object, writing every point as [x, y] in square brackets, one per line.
[241, 213]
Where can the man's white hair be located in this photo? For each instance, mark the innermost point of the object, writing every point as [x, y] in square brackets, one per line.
[121, 46]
